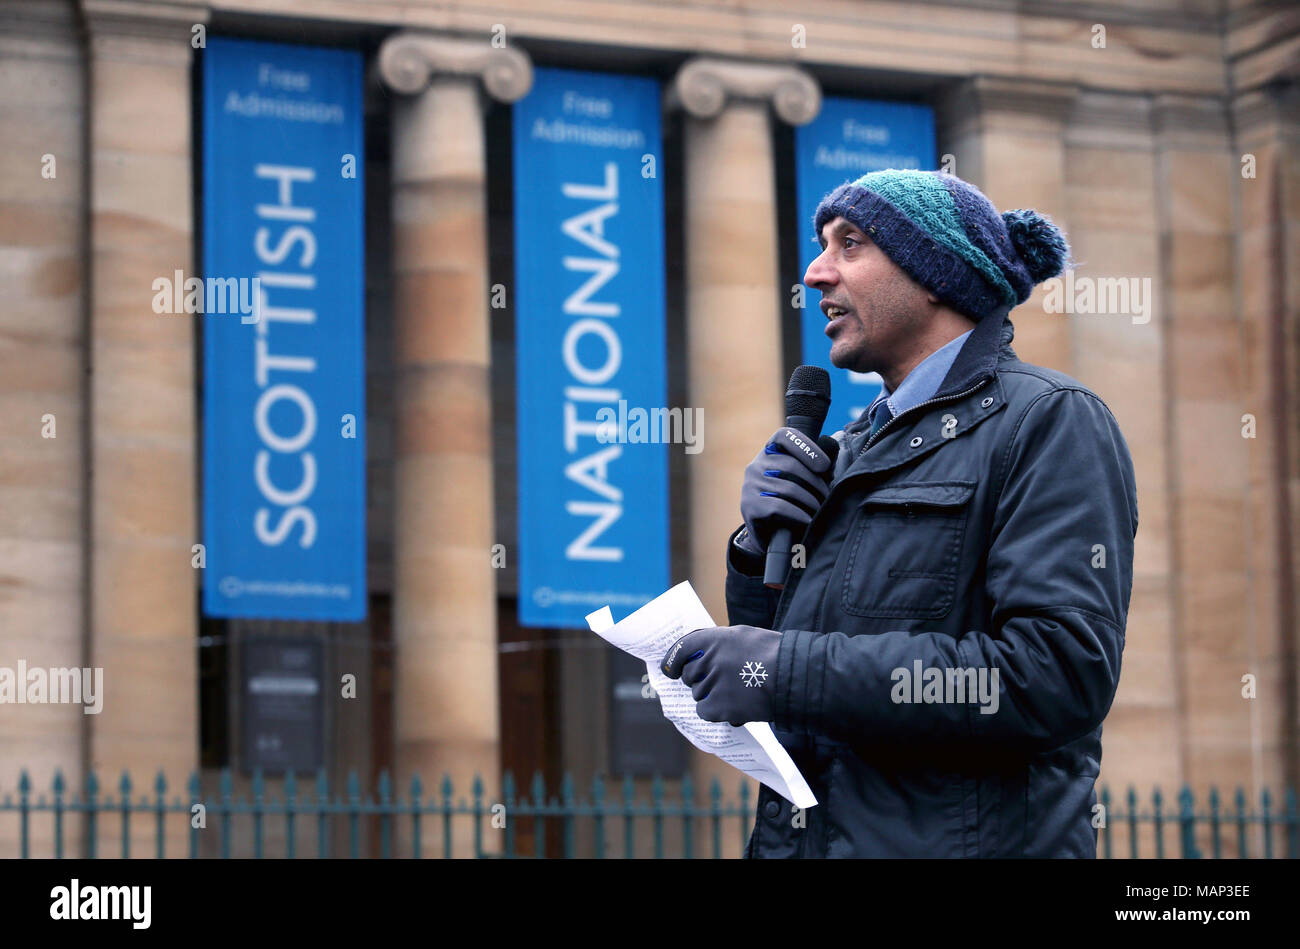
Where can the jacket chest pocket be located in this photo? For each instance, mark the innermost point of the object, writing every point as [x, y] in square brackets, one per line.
[904, 549]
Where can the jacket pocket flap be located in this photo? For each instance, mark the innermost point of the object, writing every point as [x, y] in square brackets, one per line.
[922, 494]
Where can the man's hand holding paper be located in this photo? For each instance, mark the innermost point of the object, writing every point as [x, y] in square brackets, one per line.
[729, 670]
[678, 617]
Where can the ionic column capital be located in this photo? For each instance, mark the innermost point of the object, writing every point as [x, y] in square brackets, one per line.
[129, 31]
[703, 86]
[408, 60]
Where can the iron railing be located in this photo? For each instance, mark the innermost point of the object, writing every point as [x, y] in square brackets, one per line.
[1134, 831]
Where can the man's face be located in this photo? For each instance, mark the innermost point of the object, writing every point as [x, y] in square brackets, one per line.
[876, 312]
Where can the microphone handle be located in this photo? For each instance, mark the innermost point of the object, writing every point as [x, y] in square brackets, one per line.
[778, 559]
[778, 549]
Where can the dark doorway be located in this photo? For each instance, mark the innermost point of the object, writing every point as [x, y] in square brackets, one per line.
[528, 677]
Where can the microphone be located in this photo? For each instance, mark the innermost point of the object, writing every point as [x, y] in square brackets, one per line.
[807, 400]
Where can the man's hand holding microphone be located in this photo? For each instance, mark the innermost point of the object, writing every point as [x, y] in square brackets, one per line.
[731, 669]
[784, 486]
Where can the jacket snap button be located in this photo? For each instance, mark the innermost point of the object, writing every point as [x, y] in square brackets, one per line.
[987, 401]
[771, 809]
[916, 441]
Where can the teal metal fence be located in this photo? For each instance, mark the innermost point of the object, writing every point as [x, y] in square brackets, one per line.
[1197, 832]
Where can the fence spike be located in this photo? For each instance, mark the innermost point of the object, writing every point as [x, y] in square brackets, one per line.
[1187, 820]
[1293, 825]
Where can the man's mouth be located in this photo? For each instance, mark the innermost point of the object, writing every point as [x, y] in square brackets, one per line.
[833, 314]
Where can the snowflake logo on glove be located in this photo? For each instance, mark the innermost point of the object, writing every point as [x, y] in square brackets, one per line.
[753, 674]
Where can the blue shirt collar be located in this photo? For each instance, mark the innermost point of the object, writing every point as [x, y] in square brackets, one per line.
[923, 381]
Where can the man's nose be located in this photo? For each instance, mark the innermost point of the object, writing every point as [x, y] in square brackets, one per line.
[819, 274]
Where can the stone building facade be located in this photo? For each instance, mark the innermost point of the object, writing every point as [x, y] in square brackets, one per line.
[1163, 135]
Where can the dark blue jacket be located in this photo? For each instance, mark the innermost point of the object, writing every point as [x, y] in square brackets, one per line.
[1001, 541]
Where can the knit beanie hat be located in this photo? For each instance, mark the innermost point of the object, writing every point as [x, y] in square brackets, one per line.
[946, 235]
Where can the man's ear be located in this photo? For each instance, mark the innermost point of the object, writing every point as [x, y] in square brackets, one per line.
[934, 300]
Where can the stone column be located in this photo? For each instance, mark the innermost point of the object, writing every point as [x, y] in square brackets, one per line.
[42, 416]
[1215, 630]
[1267, 210]
[1113, 185]
[446, 715]
[1007, 137]
[733, 300]
[143, 440]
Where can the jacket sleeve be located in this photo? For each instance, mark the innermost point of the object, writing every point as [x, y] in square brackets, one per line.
[749, 601]
[1058, 614]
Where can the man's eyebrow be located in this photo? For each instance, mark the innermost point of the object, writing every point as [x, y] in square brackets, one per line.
[837, 229]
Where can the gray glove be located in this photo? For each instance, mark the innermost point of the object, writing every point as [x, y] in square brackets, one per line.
[784, 486]
[730, 670]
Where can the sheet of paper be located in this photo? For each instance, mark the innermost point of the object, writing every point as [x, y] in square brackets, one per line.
[753, 747]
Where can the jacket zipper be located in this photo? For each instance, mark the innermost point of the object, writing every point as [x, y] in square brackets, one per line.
[947, 398]
[810, 744]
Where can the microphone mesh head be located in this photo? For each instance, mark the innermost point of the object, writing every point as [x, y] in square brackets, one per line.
[809, 392]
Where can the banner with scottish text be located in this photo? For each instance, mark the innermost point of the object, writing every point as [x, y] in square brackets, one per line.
[284, 449]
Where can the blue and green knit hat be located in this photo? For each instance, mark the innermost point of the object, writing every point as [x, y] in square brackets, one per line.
[946, 235]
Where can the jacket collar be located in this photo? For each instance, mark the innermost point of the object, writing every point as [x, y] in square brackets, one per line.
[975, 365]
[978, 358]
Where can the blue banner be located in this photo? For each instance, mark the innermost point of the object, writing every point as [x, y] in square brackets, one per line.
[590, 347]
[848, 139]
[284, 454]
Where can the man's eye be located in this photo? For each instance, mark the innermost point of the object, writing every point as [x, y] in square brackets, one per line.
[851, 241]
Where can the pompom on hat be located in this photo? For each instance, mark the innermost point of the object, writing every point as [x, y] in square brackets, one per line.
[947, 236]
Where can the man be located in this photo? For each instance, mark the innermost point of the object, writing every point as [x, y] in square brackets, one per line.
[940, 668]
